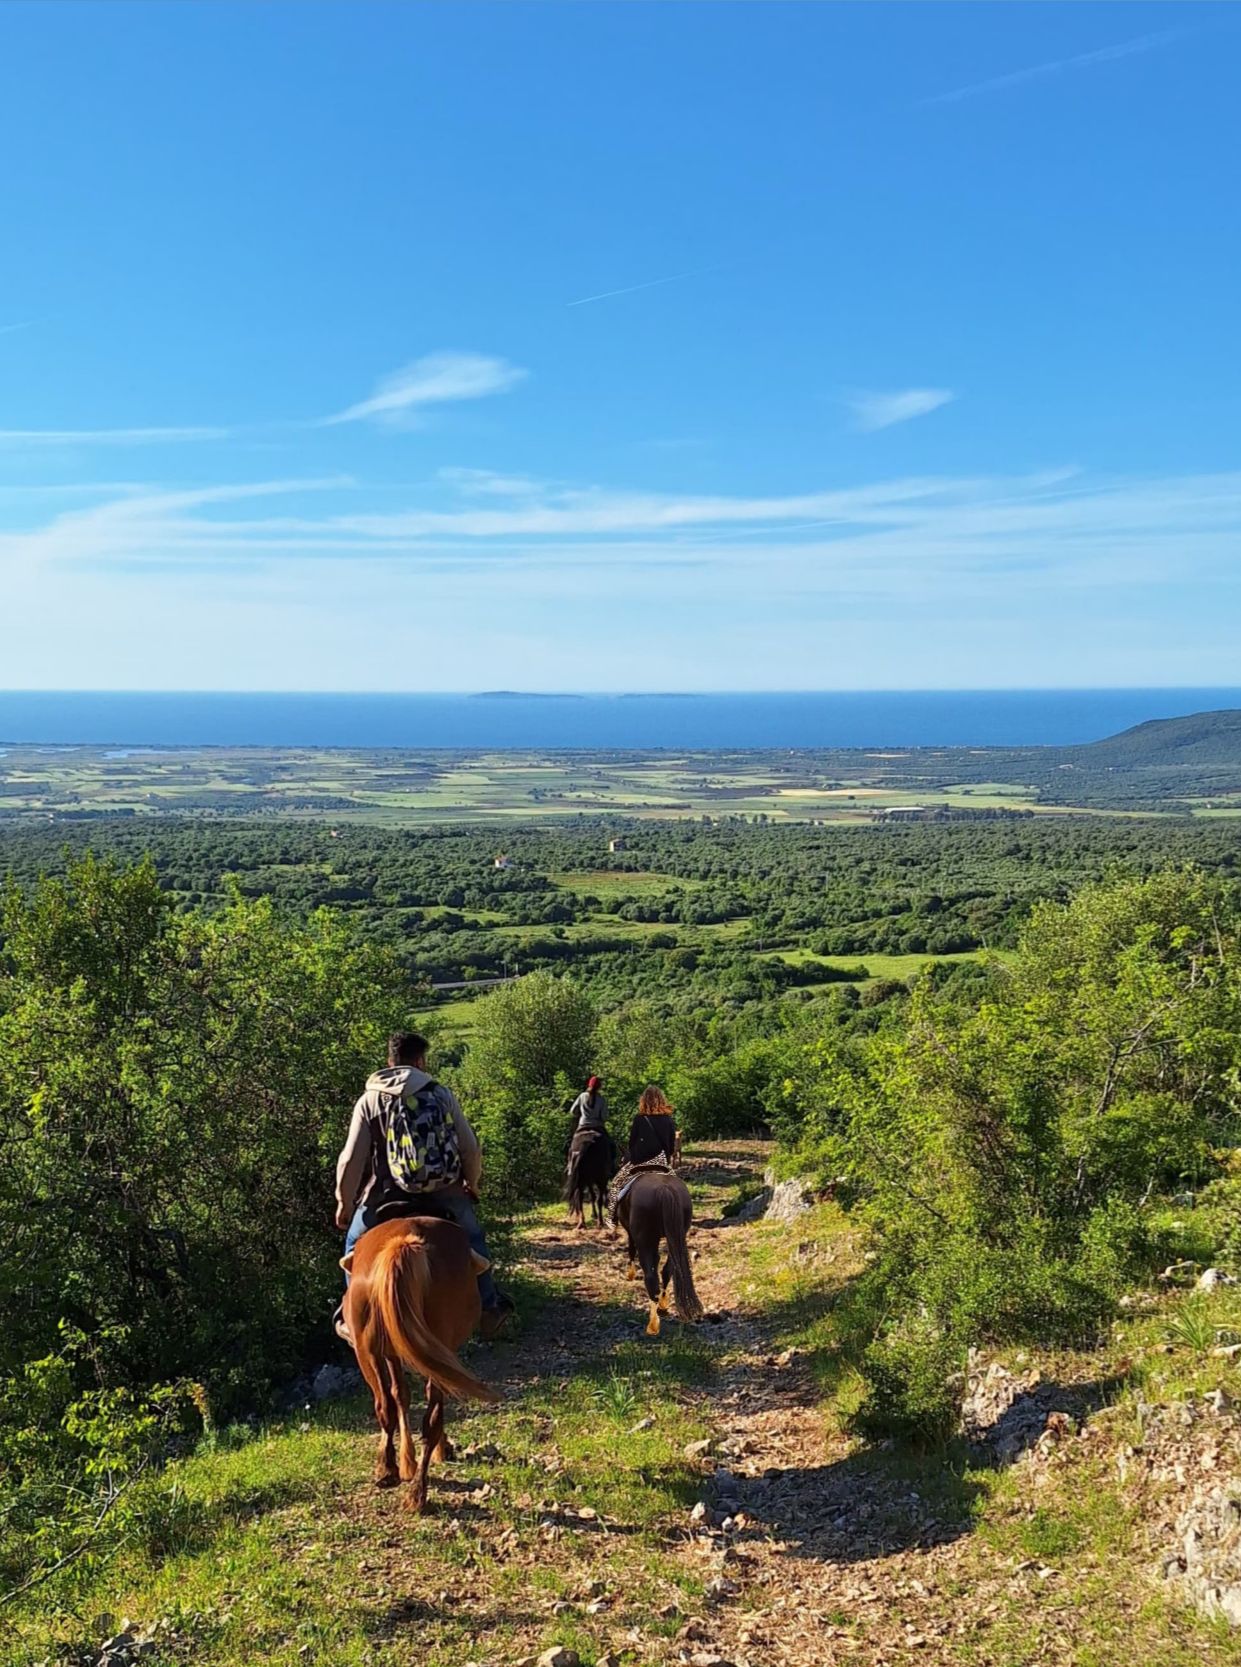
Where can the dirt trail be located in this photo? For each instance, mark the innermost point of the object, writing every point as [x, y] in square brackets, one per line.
[800, 1552]
[810, 1548]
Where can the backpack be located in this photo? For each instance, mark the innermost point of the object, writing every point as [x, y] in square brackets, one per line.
[423, 1152]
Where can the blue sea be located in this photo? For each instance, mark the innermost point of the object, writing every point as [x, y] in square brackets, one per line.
[977, 718]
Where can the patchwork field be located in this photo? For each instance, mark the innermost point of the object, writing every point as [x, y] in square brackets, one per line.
[410, 788]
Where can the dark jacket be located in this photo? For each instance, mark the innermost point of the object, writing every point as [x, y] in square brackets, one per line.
[649, 1136]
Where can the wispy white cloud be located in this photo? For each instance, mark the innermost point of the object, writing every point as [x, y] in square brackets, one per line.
[1058, 66]
[436, 379]
[486, 483]
[107, 436]
[145, 520]
[872, 411]
[937, 537]
[10, 329]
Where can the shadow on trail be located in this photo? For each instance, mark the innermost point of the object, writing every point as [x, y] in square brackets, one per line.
[390, 1622]
[879, 1501]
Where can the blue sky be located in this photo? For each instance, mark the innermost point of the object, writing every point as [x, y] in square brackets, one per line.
[619, 347]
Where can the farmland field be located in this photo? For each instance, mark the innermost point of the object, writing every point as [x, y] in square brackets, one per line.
[410, 789]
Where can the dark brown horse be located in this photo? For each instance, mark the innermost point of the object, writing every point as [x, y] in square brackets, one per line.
[591, 1165]
[412, 1301]
[656, 1209]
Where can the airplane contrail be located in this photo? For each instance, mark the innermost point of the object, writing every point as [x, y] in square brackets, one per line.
[632, 289]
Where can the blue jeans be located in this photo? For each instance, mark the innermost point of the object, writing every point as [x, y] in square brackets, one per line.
[458, 1207]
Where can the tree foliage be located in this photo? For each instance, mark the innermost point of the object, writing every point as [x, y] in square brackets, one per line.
[1006, 1151]
[172, 1088]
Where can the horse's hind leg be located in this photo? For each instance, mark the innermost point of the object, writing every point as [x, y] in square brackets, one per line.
[407, 1458]
[375, 1371]
[443, 1448]
[650, 1278]
[432, 1435]
[664, 1278]
[632, 1270]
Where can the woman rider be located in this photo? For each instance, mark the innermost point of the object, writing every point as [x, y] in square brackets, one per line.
[652, 1141]
[590, 1109]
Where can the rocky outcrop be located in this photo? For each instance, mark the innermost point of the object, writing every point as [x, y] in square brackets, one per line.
[1209, 1561]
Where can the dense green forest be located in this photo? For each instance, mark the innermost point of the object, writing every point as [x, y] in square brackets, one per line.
[732, 914]
[1004, 1043]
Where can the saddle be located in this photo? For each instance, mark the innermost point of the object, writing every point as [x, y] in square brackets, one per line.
[650, 1166]
[417, 1204]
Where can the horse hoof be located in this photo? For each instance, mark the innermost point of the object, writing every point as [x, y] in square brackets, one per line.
[389, 1479]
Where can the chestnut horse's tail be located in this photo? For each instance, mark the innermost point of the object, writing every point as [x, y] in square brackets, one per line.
[398, 1279]
[671, 1201]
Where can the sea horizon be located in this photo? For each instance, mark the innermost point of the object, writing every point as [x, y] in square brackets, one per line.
[517, 720]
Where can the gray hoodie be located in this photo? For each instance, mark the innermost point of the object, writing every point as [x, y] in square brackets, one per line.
[590, 1113]
[362, 1173]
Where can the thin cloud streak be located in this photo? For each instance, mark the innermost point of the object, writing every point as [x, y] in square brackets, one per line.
[1057, 66]
[10, 329]
[437, 379]
[873, 411]
[936, 536]
[108, 436]
[651, 283]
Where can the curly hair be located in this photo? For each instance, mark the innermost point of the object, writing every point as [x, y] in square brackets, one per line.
[654, 1103]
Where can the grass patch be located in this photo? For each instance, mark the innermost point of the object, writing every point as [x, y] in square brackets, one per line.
[279, 1550]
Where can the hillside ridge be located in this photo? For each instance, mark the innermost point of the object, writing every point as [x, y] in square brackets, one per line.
[1199, 738]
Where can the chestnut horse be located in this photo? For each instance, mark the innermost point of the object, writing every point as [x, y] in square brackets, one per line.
[656, 1207]
[412, 1301]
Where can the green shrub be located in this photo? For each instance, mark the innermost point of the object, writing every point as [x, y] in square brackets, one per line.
[1006, 1151]
[532, 1050]
[913, 1390]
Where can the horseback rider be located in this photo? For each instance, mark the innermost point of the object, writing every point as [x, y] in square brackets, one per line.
[589, 1113]
[654, 1143]
[406, 1126]
[590, 1109]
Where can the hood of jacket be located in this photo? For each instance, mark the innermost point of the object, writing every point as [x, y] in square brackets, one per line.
[398, 1079]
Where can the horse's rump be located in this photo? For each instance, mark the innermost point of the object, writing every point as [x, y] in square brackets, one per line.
[659, 1207]
[419, 1278]
[591, 1160]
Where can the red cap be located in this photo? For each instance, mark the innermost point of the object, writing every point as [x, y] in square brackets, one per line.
[593, 1082]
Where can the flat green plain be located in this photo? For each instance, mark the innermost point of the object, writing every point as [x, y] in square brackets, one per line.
[412, 789]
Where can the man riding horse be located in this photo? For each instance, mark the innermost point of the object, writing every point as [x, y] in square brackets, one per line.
[411, 1152]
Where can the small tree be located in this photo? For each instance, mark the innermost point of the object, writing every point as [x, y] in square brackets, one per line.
[531, 1052]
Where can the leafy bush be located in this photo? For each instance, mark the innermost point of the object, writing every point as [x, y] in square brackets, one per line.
[912, 1387]
[531, 1053]
[173, 1089]
[1006, 1152]
[71, 1459]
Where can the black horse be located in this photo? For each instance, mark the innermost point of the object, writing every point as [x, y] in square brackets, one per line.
[591, 1165]
[656, 1208]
